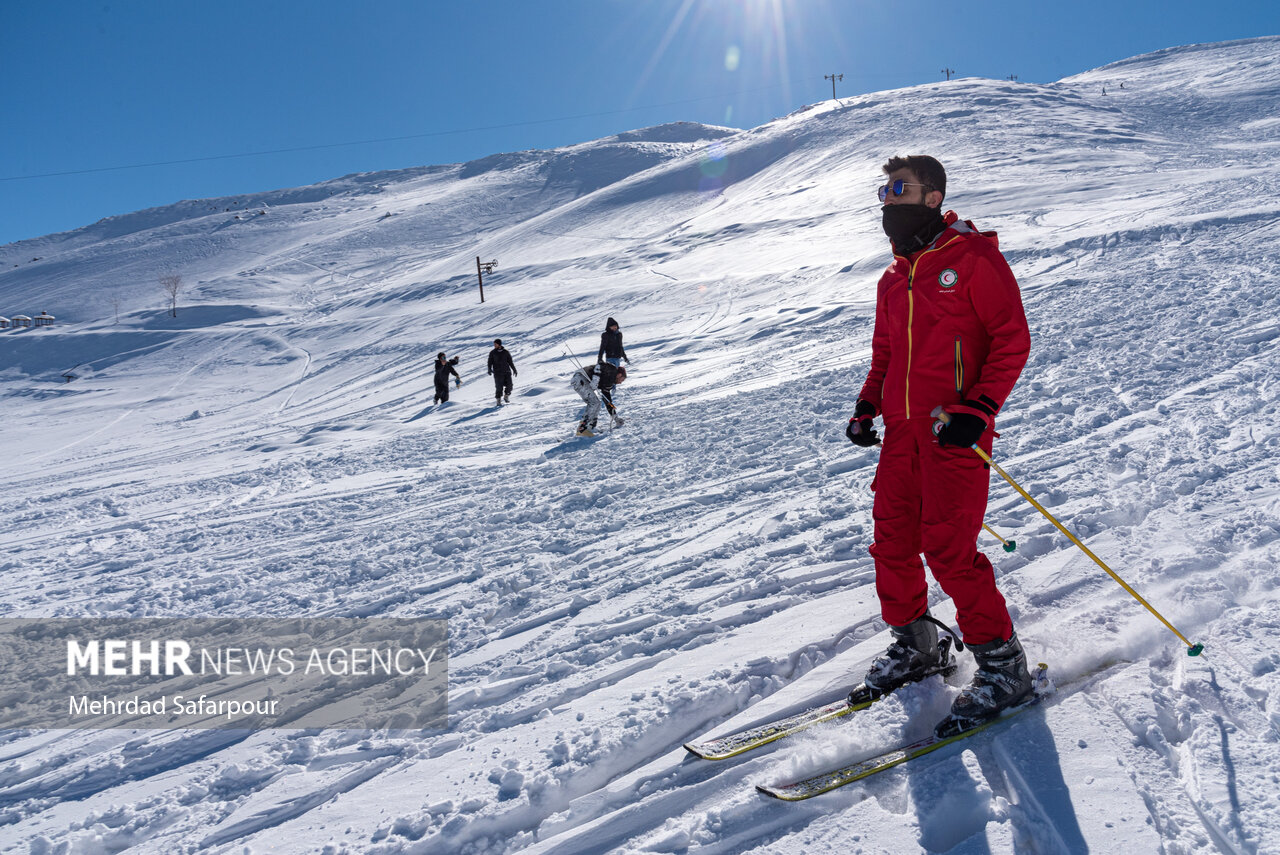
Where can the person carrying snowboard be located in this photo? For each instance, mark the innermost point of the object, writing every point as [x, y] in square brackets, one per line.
[444, 367]
[950, 334]
[602, 377]
[501, 368]
[611, 350]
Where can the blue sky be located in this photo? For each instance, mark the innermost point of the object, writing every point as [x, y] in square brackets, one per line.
[332, 88]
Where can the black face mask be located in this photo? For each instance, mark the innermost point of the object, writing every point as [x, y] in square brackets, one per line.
[911, 227]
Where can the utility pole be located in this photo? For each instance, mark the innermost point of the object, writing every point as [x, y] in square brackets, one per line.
[833, 78]
[481, 269]
[948, 72]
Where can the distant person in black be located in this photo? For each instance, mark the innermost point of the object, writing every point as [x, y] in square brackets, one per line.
[444, 367]
[611, 345]
[501, 368]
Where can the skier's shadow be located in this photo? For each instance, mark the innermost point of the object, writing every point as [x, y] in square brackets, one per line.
[569, 446]
[446, 406]
[421, 413]
[954, 809]
[477, 414]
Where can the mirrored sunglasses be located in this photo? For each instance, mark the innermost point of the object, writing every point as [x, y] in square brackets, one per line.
[897, 187]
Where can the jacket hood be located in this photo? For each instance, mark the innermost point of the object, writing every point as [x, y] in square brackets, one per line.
[610, 323]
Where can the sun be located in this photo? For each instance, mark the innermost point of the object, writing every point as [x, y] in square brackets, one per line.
[750, 42]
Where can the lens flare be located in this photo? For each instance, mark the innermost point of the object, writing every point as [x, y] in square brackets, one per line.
[713, 165]
[715, 160]
[732, 58]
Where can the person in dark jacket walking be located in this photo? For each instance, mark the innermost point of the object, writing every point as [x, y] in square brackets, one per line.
[501, 368]
[444, 367]
[611, 350]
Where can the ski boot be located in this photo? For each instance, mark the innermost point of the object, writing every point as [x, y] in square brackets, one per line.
[914, 654]
[506, 398]
[1002, 682]
[583, 430]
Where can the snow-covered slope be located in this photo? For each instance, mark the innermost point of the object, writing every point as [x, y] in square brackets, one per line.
[273, 450]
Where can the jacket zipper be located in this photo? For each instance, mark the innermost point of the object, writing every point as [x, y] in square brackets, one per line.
[911, 305]
[959, 369]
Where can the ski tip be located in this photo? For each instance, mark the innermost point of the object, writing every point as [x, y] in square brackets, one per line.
[702, 753]
[774, 793]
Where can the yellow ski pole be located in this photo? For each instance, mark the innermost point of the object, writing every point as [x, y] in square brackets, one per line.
[1009, 545]
[1192, 649]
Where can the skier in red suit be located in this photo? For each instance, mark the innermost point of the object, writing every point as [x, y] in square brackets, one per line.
[950, 332]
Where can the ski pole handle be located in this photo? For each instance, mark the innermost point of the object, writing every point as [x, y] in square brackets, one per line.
[944, 418]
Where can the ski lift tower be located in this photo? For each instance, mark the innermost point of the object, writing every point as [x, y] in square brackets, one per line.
[833, 78]
[481, 269]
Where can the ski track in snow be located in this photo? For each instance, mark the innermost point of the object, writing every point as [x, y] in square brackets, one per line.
[273, 451]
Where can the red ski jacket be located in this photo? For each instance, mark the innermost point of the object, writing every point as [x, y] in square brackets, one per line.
[949, 330]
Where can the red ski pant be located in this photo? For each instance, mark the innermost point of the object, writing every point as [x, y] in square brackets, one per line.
[931, 499]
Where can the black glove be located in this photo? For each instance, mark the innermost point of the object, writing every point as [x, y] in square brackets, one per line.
[962, 431]
[860, 430]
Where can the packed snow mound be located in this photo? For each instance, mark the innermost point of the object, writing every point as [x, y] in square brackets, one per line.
[599, 163]
[1223, 94]
[677, 132]
[274, 451]
[242, 205]
[316, 240]
[1239, 69]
